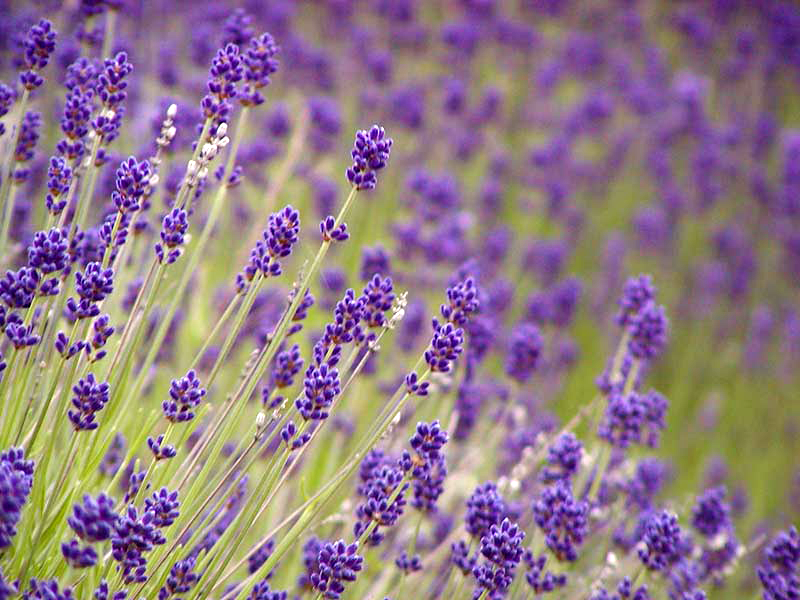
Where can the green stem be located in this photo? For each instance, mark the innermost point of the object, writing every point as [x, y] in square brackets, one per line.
[108, 38]
[8, 214]
[220, 322]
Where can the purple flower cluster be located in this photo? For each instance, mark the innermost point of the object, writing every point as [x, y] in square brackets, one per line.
[633, 418]
[226, 71]
[48, 251]
[173, 230]
[502, 549]
[16, 481]
[277, 242]
[779, 570]
[337, 564]
[427, 466]
[370, 154]
[180, 580]
[662, 541]
[379, 482]
[93, 284]
[563, 458]
[524, 351]
[563, 519]
[39, 44]
[259, 63]
[90, 397]
[185, 395]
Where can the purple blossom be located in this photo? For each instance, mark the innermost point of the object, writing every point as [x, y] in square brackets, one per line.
[48, 251]
[77, 556]
[376, 489]
[16, 481]
[648, 332]
[638, 291]
[663, 541]
[337, 564]
[180, 580]
[163, 504]
[502, 549]
[563, 458]
[542, 581]
[173, 230]
[370, 154]
[90, 397]
[259, 63]
[524, 351]
[93, 520]
[778, 571]
[563, 520]
[159, 449]
[185, 395]
[39, 44]
[485, 507]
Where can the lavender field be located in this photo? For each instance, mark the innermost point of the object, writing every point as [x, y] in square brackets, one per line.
[390, 299]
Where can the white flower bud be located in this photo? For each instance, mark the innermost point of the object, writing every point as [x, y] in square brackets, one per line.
[222, 129]
[172, 111]
[261, 418]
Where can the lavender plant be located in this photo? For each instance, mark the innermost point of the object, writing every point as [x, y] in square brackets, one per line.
[222, 372]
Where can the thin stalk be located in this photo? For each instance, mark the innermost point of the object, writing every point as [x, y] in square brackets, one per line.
[85, 198]
[8, 214]
[9, 168]
[108, 37]
[226, 314]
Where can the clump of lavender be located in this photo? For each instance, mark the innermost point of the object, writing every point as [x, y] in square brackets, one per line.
[465, 459]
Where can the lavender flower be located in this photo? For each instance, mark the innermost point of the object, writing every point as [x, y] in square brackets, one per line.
[26, 143]
[502, 548]
[185, 395]
[163, 504]
[540, 580]
[638, 291]
[376, 491]
[564, 458]
[77, 556]
[648, 332]
[48, 251]
[6, 100]
[180, 580]
[173, 231]
[259, 63]
[131, 181]
[370, 154]
[662, 541]
[134, 536]
[337, 564]
[16, 481]
[711, 514]
[563, 520]
[160, 450]
[446, 345]
[778, 572]
[39, 45]
[46, 590]
[226, 71]
[90, 398]
[93, 520]
[524, 351]
[92, 286]
[485, 508]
